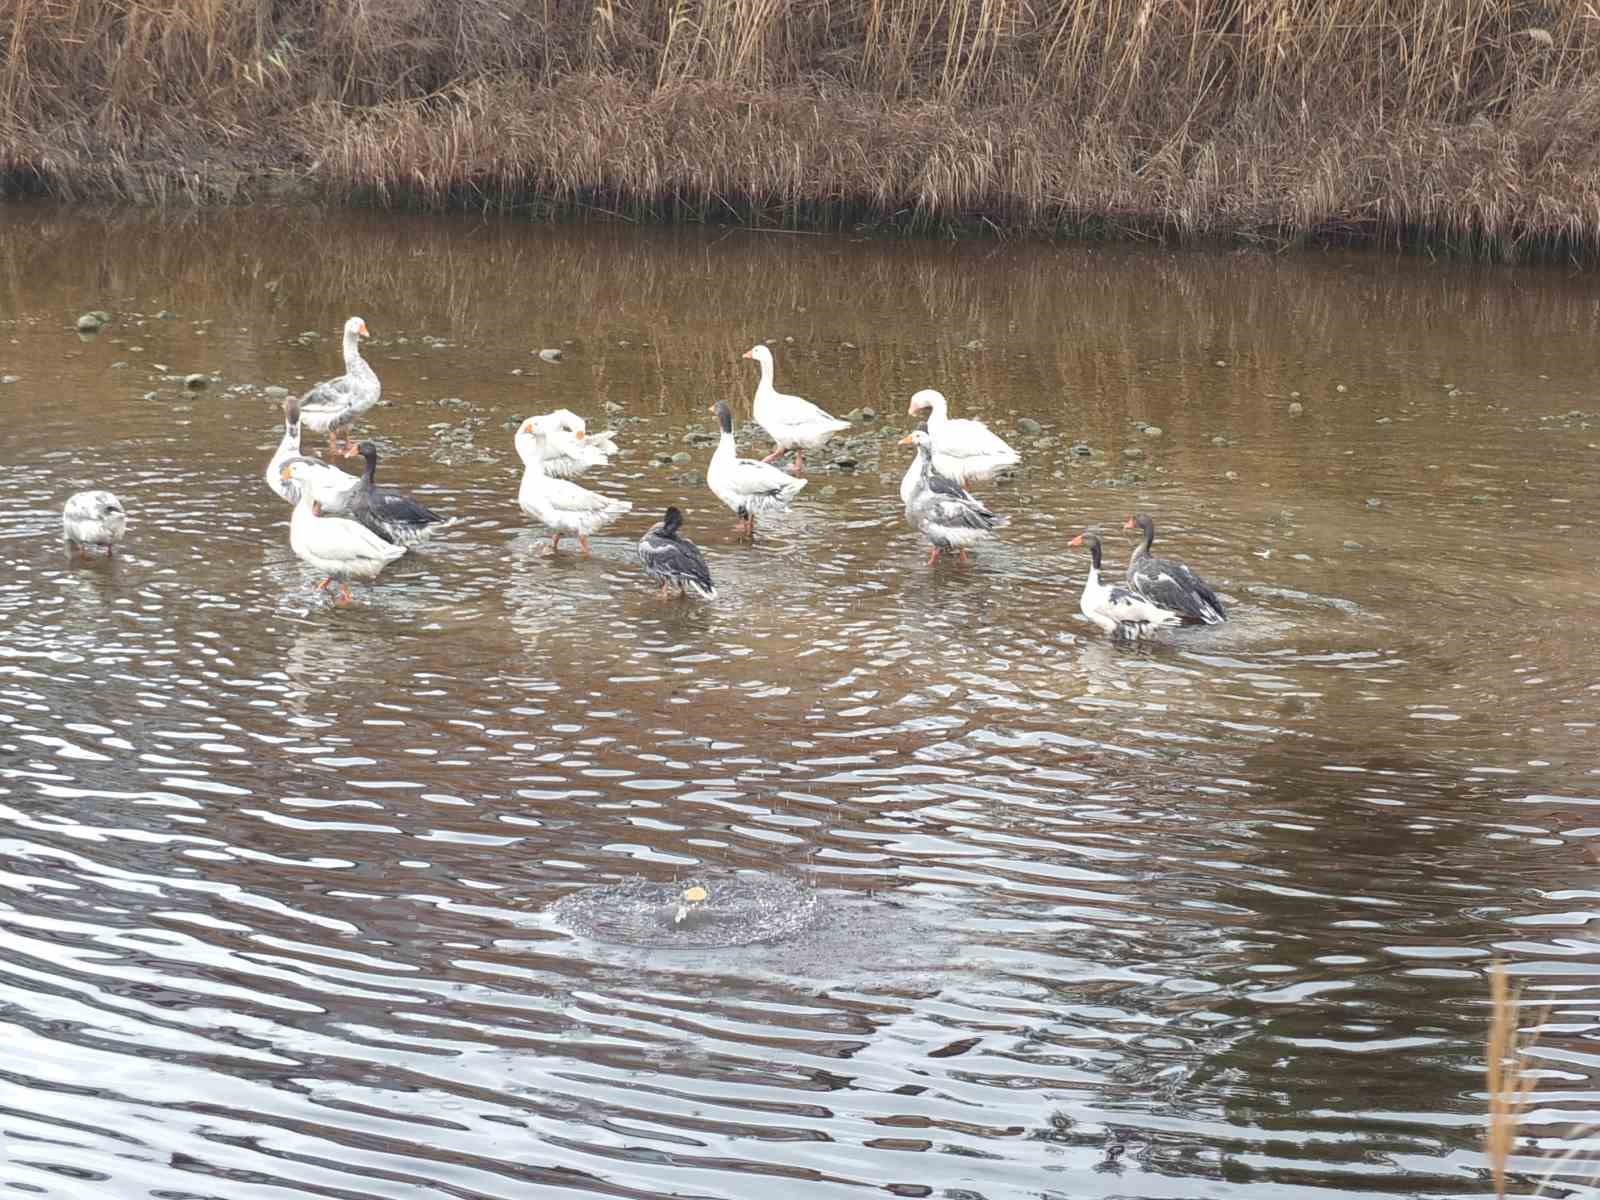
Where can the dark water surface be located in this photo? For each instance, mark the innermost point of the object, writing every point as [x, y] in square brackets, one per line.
[289, 896]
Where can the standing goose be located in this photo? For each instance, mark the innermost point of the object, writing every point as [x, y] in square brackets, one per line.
[570, 449]
[670, 558]
[93, 521]
[748, 487]
[391, 514]
[560, 505]
[1169, 584]
[946, 513]
[333, 405]
[341, 548]
[793, 423]
[963, 450]
[1116, 610]
[332, 486]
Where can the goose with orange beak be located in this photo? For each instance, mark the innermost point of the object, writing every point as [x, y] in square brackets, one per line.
[341, 548]
[333, 405]
[794, 423]
[1116, 610]
[748, 487]
[570, 449]
[559, 504]
[1169, 584]
[948, 515]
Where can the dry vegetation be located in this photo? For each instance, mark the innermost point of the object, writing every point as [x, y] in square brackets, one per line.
[1468, 124]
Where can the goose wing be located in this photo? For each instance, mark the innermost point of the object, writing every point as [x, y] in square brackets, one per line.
[751, 478]
[967, 438]
[1173, 586]
[675, 558]
[341, 539]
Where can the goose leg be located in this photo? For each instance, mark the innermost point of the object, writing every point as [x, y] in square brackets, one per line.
[583, 543]
[323, 586]
[343, 598]
[933, 556]
[548, 551]
[964, 558]
[798, 466]
[774, 456]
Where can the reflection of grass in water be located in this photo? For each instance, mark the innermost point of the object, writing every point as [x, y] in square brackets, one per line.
[1511, 1081]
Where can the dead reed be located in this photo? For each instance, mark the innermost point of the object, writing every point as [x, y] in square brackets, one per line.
[1468, 124]
[1510, 1082]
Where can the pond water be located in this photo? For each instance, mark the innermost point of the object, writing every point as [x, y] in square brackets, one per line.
[287, 891]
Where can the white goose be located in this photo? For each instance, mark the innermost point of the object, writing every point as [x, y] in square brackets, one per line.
[341, 548]
[560, 505]
[93, 520]
[964, 450]
[948, 515]
[570, 449]
[1116, 610]
[748, 487]
[333, 405]
[330, 485]
[793, 423]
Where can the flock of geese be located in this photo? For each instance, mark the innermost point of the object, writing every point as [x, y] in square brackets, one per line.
[347, 527]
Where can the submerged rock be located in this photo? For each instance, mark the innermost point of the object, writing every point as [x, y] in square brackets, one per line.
[195, 381]
[93, 322]
[1028, 425]
[550, 356]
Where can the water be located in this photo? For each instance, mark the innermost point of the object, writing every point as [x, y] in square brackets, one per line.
[283, 885]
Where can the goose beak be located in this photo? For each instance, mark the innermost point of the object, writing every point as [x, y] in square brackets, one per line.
[908, 440]
[580, 435]
[286, 473]
[748, 354]
[1128, 524]
[361, 330]
[527, 427]
[1077, 541]
[911, 409]
[713, 409]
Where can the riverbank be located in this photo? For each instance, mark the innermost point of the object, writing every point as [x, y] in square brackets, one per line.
[1475, 128]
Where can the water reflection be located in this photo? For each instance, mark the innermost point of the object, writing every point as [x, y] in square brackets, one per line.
[1091, 920]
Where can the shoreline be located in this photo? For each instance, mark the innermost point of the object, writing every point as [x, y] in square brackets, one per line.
[1336, 124]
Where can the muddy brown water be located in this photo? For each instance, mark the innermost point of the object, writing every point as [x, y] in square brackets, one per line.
[281, 886]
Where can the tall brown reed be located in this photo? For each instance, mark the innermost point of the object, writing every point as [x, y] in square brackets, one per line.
[1470, 122]
[1509, 1080]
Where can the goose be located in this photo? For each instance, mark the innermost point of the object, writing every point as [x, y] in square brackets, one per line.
[793, 423]
[570, 449]
[963, 450]
[748, 487]
[389, 513]
[946, 513]
[333, 405]
[93, 521]
[333, 487]
[342, 548]
[1114, 609]
[670, 558]
[560, 505]
[1169, 584]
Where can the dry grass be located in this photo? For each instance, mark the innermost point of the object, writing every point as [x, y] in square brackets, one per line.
[1509, 1080]
[1472, 124]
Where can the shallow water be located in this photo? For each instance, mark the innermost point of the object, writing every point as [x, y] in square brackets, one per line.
[284, 886]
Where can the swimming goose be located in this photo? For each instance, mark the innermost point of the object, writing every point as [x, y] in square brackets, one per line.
[570, 449]
[963, 450]
[947, 514]
[1169, 584]
[1116, 610]
[560, 505]
[332, 486]
[342, 548]
[388, 512]
[748, 487]
[670, 558]
[93, 521]
[333, 405]
[793, 423]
